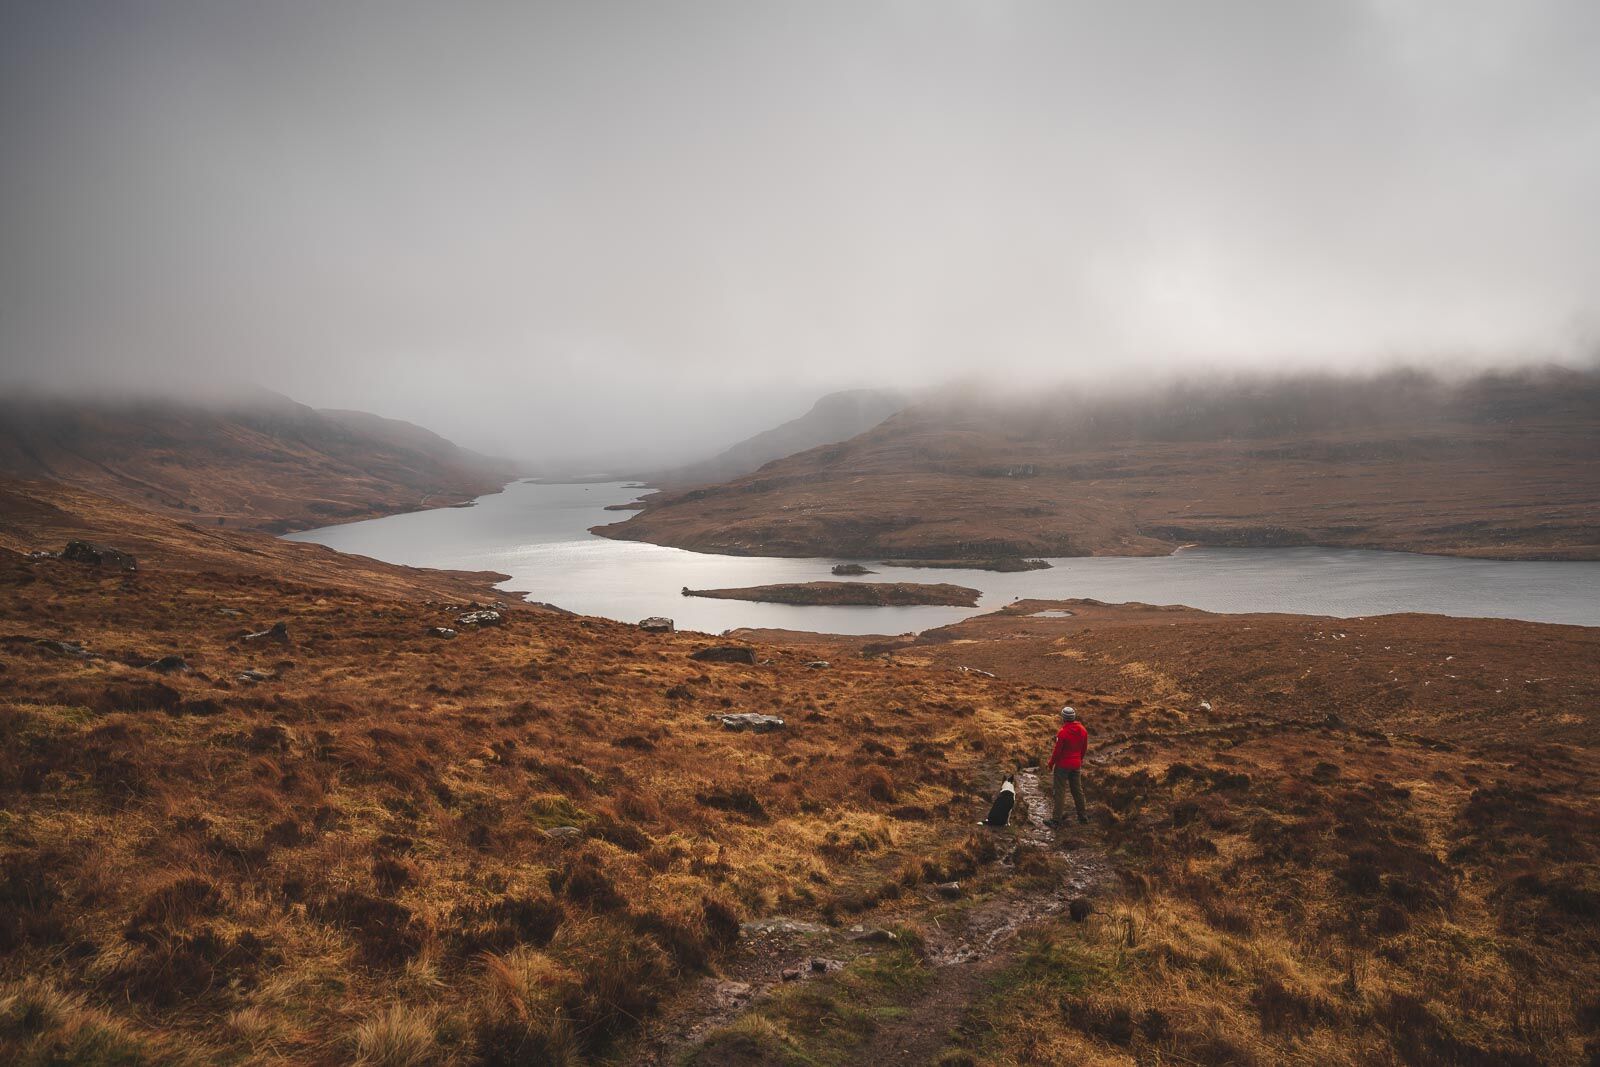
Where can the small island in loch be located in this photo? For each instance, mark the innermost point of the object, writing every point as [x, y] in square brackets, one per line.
[854, 594]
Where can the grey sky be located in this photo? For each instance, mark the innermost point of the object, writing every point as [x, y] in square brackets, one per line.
[591, 226]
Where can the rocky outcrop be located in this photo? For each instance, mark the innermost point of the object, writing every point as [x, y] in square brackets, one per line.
[760, 724]
[276, 634]
[99, 556]
[480, 618]
[657, 624]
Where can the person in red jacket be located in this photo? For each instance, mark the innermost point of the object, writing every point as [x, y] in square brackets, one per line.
[1066, 761]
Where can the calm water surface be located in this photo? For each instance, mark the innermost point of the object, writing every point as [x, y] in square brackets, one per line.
[539, 535]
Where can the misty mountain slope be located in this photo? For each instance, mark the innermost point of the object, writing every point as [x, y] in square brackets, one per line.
[1506, 466]
[835, 417]
[267, 463]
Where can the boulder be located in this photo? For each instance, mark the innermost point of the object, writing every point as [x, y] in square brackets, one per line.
[725, 654]
[484, 617]
[64, 648]
[277, 634]
[171, 664]
[99, 556]
[948, 890]
[441, 631]
[563, 833]
[760, 724]
[819, 664]
[254, 675]
[657, 624]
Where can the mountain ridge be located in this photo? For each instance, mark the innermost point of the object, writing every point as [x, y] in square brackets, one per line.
[1500, 465]
[834, 417]
[263, 463]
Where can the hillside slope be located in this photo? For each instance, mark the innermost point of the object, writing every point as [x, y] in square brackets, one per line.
[835, 417]
[520, 845]
[264, 464]
[1503, 465]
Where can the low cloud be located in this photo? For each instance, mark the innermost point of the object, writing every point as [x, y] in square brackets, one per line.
[622, 230]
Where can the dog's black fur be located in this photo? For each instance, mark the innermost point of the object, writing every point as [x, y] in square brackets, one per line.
[1004, 801]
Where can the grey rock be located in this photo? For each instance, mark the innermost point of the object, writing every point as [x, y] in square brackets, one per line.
[99, 556]
[63, 648]
[791, 974]
[563, 833]
[948, 890]
[780, 926]
[761, 724]
[277, 634]
[875, 936]
[441, 631]
[657, 624]
[254, 675]
[726, 994]
[480, 618]
[819, 664]
[232, 613]
[172, 664]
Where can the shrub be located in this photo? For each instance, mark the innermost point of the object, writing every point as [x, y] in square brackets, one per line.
[386, 933]
[585, 882]
[879, 785]
[42, 1027]
[523, 1016]
[398, 1036]
[502, 925]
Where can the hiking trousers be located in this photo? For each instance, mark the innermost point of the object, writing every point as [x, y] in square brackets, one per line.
[1061, 781]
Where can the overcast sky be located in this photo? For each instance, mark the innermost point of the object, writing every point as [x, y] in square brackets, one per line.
[591, 226]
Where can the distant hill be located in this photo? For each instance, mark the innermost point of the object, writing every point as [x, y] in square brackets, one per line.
[1504, 465]
[263, 463]
[835, 417]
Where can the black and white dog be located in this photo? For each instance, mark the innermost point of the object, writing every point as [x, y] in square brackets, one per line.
[1004, 801]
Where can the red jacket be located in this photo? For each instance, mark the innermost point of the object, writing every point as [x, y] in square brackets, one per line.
[1071, 743]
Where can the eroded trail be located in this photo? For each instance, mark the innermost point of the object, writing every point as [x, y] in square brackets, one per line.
[965, 940]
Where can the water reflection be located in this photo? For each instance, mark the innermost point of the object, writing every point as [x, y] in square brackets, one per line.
[539, 535]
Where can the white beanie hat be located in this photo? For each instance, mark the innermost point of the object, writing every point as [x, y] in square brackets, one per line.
[1068, 714]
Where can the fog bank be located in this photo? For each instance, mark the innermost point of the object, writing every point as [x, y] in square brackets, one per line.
[621, 231]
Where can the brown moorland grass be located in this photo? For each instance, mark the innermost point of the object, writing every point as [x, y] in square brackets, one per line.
[503, 848]
[1378, 844]
[1326, 865]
